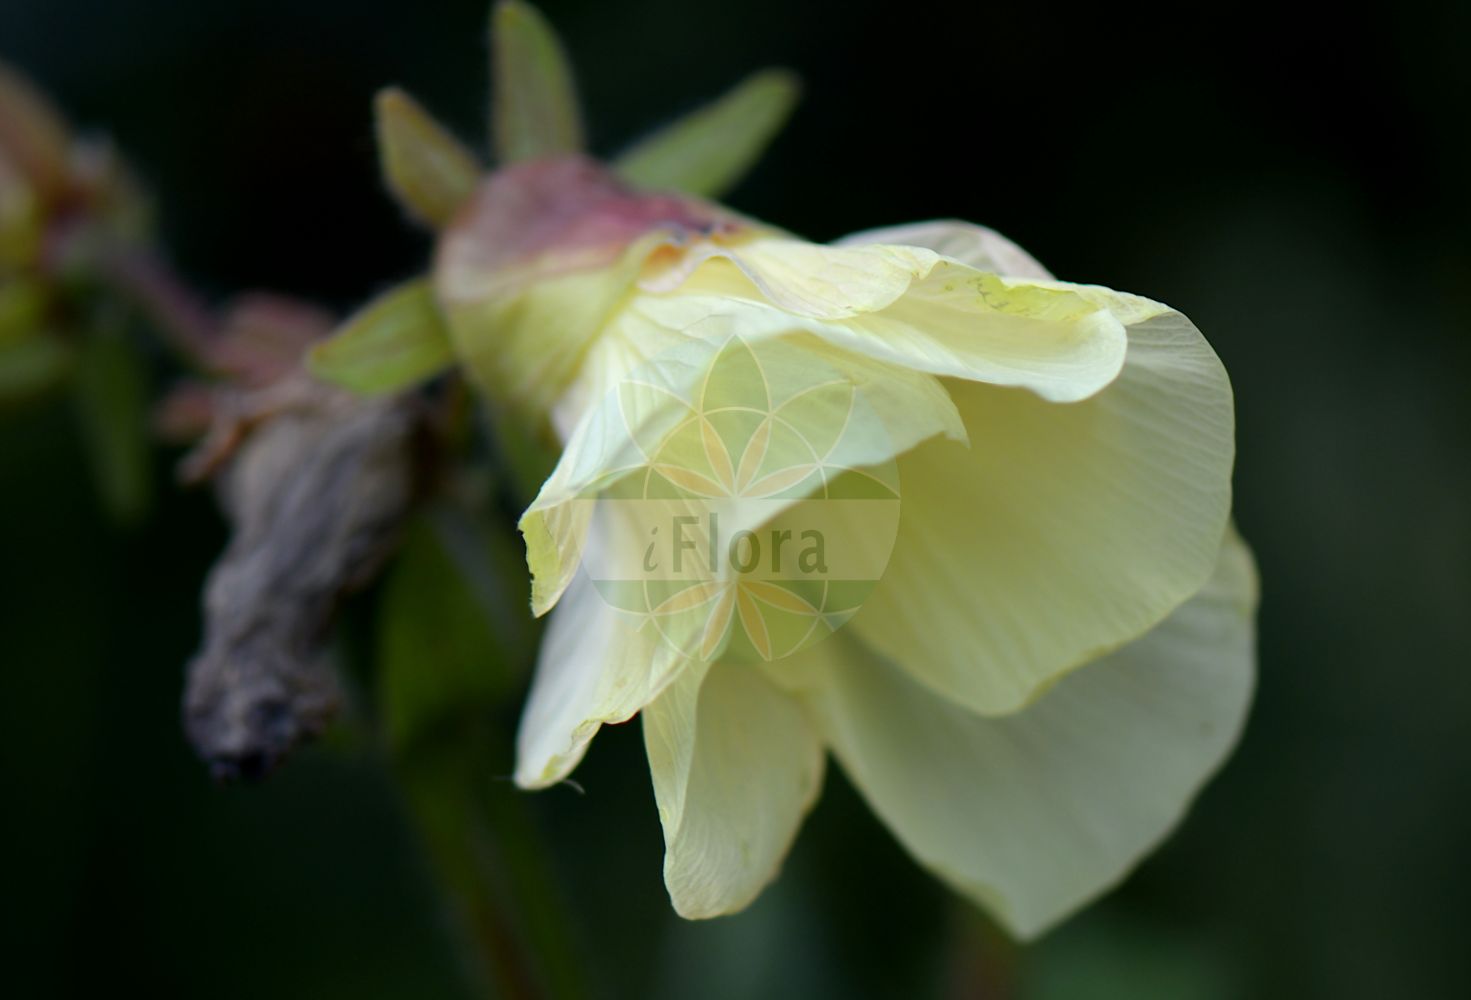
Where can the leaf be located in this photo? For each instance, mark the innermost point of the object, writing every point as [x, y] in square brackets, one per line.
[708, 151]
[536, 110]
[441, 650]
[112, 410]
[430, 172]
[395, 342]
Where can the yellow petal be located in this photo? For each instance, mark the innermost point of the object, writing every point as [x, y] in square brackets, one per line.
[1068, 530]
[1033, 815]
[717, 627]
[981, 248]
[1065, 531]
[906, 306]
[620, 434]
[596, 666]
[808, 279]
[735, 767]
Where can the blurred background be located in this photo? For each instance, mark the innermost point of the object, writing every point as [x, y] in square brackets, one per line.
[1295, 182]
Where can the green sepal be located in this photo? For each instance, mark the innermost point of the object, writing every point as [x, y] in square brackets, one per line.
[429, 171]
[709, 150]
[535, 105]
[393, 343]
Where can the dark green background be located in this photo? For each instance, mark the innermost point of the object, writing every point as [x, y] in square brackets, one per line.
[1297, 183]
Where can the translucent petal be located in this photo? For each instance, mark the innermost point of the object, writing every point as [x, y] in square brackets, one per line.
[736, 766]
[597, 665]
[1034, 814]
[619, 435]
[809, 279]
[981, 248]
[906, 306]
[1064, 531]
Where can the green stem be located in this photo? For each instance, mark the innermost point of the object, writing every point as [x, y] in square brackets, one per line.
[488, 860]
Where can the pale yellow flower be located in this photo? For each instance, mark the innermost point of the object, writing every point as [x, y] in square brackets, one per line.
[1060, 650]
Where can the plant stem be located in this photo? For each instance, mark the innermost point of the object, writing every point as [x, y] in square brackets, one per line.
[490, 865]
[186, 324]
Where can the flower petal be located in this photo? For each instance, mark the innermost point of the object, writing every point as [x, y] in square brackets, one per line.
[981, 248]
[596, 666]
[905, 306]
[736, 766]
[1033, 815]
[652, 375]
[1065, 531]
[808, 279]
